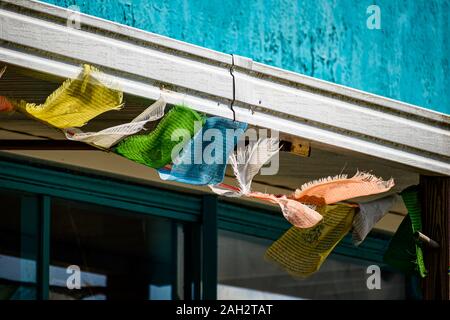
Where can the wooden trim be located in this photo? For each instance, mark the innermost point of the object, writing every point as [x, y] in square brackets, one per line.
[99, 190]
[43, 261]
[209, 247]
[29, 242]
[192, 262]
[435, 199]
[16, 144]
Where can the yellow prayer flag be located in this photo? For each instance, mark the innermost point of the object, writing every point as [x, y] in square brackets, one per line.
[76, 102]
[301, 252]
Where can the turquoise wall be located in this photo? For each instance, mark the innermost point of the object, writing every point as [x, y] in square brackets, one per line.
[407, 59]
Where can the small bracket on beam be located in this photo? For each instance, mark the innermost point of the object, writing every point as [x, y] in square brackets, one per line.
[295, 145]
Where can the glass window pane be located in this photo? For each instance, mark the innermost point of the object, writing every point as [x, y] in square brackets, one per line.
[104, 253]
[18, 245]
[245, 274]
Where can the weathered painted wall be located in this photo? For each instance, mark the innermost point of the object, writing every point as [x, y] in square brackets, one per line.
[407, 59]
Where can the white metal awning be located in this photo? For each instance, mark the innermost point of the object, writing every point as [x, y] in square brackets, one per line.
[35, 35]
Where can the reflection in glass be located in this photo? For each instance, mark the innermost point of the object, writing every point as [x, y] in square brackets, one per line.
[120, 255]
[245, 274]
[18, 245]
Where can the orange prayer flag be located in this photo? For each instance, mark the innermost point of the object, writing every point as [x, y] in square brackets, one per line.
[339, 188]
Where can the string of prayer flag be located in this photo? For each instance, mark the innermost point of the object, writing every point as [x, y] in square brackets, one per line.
[107, 138]
[246, 163]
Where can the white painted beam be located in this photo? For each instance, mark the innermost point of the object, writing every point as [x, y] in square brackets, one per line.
[35, 35]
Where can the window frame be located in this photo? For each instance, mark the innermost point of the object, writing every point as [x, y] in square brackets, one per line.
[204, 215]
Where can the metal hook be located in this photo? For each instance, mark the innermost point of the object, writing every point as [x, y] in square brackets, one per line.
[234, 87]
[419, 236]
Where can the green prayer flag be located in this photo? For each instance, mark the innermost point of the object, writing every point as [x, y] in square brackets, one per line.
[155, 149]
[403, 252]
